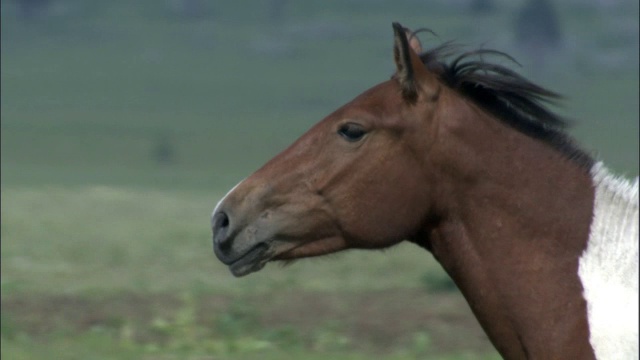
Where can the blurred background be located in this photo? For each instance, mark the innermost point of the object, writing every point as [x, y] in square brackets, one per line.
[123, 123]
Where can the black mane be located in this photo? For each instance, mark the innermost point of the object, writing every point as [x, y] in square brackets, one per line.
[507, 95]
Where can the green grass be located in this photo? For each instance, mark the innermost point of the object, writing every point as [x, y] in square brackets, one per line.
[89, 263]
[100, 347]
[106, 253]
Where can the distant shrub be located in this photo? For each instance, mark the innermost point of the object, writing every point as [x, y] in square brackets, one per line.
[163, 151]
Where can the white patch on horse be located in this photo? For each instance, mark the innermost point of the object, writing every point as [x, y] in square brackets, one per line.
[609, 267]
[224, 197]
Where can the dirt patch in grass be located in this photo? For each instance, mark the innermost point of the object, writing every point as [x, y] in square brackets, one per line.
[379, 321]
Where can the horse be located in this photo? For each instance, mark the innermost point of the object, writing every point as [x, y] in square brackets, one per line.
[464, 158]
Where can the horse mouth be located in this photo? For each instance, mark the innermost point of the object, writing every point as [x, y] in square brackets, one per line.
[251, 261]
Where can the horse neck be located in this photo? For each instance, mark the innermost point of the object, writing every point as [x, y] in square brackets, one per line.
[514, 217]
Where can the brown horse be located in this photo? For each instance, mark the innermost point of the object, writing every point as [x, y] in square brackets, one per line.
[463, 159]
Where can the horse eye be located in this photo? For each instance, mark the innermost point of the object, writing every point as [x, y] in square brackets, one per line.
[351, 131]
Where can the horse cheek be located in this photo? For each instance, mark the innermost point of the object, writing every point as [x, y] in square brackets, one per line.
[392, 209]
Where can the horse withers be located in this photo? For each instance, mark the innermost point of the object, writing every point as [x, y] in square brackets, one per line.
[464, 159]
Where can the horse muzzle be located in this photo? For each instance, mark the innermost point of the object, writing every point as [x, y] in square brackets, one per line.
[238, 247]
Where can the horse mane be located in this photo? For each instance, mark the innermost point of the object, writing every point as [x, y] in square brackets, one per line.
[510, 97]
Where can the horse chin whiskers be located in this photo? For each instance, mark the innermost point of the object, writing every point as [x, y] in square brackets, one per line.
[285, 262]
[305, 249]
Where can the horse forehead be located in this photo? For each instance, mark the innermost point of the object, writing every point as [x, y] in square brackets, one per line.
[385, 93]
[382, 99]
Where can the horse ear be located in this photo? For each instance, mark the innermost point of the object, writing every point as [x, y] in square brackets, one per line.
[414, 42]
[408, 63]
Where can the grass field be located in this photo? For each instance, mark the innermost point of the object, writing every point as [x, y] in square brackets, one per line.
[122, 273]
[106, 250]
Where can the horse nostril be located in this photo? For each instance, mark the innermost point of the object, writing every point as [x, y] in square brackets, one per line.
[220, 220]
[223, 221]
[220, 229]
